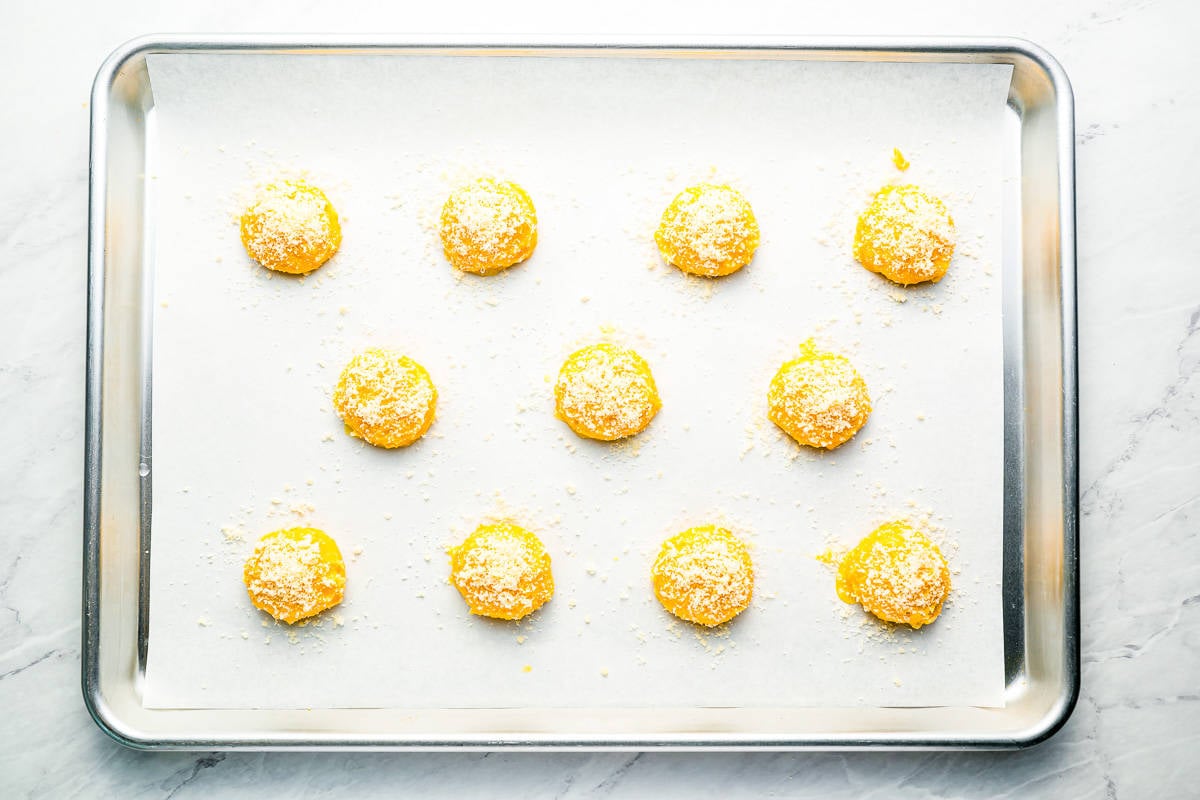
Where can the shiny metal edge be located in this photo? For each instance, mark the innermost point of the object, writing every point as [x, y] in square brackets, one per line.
[93, 380]
[998, 50]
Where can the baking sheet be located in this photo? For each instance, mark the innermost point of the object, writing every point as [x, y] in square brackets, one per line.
[245, 441]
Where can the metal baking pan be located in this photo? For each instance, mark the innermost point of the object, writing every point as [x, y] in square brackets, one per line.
[1040, 575]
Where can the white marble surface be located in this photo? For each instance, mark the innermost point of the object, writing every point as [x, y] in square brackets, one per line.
[1137, 725]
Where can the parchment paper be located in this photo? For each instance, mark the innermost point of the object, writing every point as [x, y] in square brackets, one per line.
[245, 441]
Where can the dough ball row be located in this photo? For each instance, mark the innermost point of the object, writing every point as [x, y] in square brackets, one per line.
[489, 225]
[703, 575]
[603, 392]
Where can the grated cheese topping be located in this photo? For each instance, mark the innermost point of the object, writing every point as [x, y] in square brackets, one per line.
[487, 226]
[292, 227]
[819, 399]
[708, 230]
[606, 392]
[897, 573]
[295, 573]
[385, 398]
[502, 571]
[906, 235]
[704, 575]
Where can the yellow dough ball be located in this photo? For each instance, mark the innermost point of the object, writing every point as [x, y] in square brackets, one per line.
[488, 226]
[295, 573]
[502, 571]
[606, 392]
[897, 574]
[385, 398]
[905, 235]
[704, 575]
[818, 399]
[708, 230]
[291, 227]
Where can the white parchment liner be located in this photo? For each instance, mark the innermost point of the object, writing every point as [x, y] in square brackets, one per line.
[244, 439]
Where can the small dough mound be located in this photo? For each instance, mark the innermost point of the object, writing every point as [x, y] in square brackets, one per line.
[295, 573]
[819, 399]
[704, 575]
[606, 392]
[385, 398]
[905, 235]
[502, 571]
[897, 574]
[488, 226]
[708, 230]
[291, 227]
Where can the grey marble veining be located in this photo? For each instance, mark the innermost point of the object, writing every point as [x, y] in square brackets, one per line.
[1137, 725]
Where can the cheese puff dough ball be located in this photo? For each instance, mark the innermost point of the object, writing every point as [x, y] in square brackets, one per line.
[897, 574]
[291, 227]
[385, 398]
[708, 230]
[905, 235]
[704, 575]
[606, 392]
[295, 573]
[502, 571]
[818, 399]
[488, 226]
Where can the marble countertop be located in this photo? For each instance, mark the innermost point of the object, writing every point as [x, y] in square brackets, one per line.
[1137, 724]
